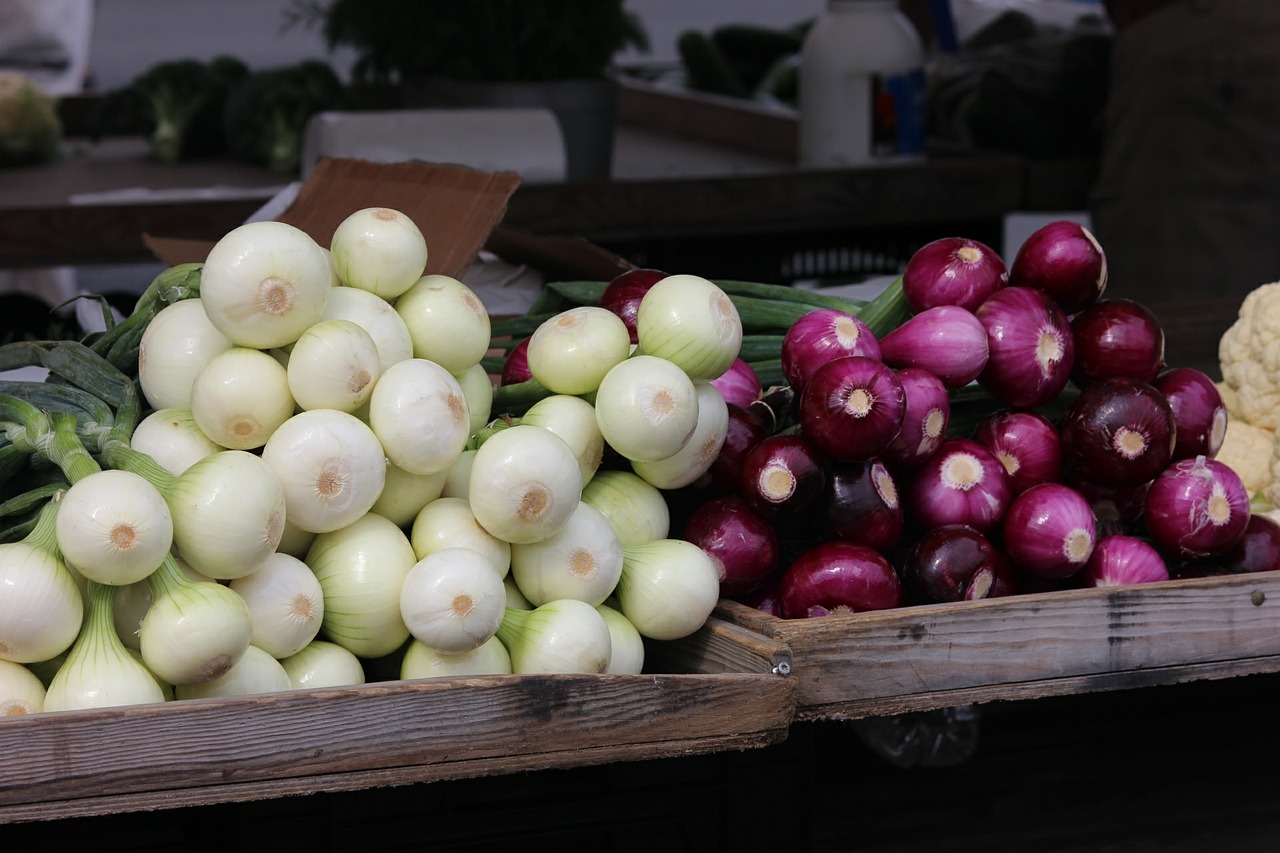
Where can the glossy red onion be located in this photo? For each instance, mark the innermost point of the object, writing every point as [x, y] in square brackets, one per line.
[852, 408]
[739, 384]
[764, 598]
[1198, 411]
[1064, 260]
[1030, 349]
[948, 341]
[1118, 432]
[1257, 551]
[838, 577]
[624, 291]
[783, 475]
[861, 504]
[744, 542]
[1117, 337]
[952, 271]
[1026, 442]
[1120, 560]
[516, 366]
[1118, 509]
[1049, 530]
[956, 563]
[1196, 508]
[925, 421]
[742, 433]
[822, 336]
[962, 483]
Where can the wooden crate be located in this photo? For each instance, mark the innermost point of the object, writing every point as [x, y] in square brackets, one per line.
[204, 751]
[925, 657]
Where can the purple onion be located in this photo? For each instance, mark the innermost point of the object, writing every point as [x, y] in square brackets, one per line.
[956, 563]
[624, 291]
[1120, 560]
[925, 421]
[1029, 344]
[739, 384]
[852, 408]
[745, 543]
[838, 577]
[515, 368]
[1049, 530]
[1196, 508]
[1257, 551]
[1117, 509]
[1117, 337]
[764, 598]
[861, 504]
[1198, 411]
[1026, 442]
[742, 433]
[962, 483]
[782, 475]
[1064, 260]
[1118, 432]
[948, 341]
[822, 336]
[952, 271]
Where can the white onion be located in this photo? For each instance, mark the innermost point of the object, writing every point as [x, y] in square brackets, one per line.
[477, 387]
[256, 672]
[240, 397]
[566, 636]
[295, 541]
[34, 580]
[447, 322]
[404, 494]
[582, 560]
[636, 508]
[114, 527]
[172, 438]
[525, 483]
[457, 478]
[193, 631]
[21, 692]
[453, 600]
[626, 644]
[134, 600]
[668, 587]
[323, 664]
[422, 661]
[178, 341]
[692, 322]
[574, 420]
[699, 452]
[571, 352]
[647, 408]
[333, 365]
[420, 415]
[379, 250]
[377, 317]
[285, 602]
[450, 523]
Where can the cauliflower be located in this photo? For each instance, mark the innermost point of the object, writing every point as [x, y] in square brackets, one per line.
[29, 127]
[1249, 355]
[1252, 452]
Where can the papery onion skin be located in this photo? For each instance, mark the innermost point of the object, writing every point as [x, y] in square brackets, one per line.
[1119, 560]
[1117, 337]
[1030, 348]
[842, 577]
[1026, 442]
[1049, 531]
[962, 483]
[515, 368]
[624, 291]
[954, 562]
[1064, 260]
[1118, 432]
[820, 336]
[861, 504]
[948, 341]
[783, 475]
[739, 384]
[745, 542]
[925, 420]
[1198, 411]
[1196, 508]
[952, 271]
[852, 408]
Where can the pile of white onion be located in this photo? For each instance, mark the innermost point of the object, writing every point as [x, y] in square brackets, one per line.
[317, 486]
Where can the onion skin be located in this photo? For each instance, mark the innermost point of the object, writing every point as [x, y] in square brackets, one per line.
[952, 271]
[744, 432]
[1196, 508]
[745, 543]
[956, 563]
[948, 341]
[624, 291]
[1120, 560]
[852, 408]
[1030, 348]
[963, 483]
[783, 475]
[838, 577]
[821, 336]
[1064, 260]
[1118, 432]
[1026, 443]
[925, 420]
[1050, 531]
[1198, 411]
[1117, 337]
[739, 384]
[860, 504]
[516, 366]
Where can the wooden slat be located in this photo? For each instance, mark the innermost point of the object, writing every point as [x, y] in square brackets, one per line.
[720, 646]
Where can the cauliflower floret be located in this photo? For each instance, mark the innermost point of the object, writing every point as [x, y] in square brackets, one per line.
[1252, 452]
[1249, 355]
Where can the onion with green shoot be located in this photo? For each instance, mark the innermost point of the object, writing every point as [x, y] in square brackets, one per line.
[574, 420]
[193, 631]
[564, 636]
[379, 250]
[668, 587]
[173, 439]
[35, 580]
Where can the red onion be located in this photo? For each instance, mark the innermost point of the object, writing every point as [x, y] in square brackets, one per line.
[838, 577]
[624, 291]
[742, 433]
[739, 384]
[948, 341]
[952, 271]
[1030, 349]
[1117, 337]
[1117, 509]
[764, 598]
[1198, 411]
[1257, 551]
[852, 408]
[1119, 560]
[956, 563]
[744, 542]
[860, 504]
[1197, 508]
[1026, 442]
[516, 366]
[1118, 432]
[962, 483]
[925, 421]
[1049, 530]
[1064, 260]
[821, 336]
[782, 475]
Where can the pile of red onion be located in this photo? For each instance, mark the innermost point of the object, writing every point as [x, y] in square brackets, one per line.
[1092, 464]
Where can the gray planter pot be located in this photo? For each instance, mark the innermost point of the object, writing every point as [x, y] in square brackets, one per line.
[585, 109]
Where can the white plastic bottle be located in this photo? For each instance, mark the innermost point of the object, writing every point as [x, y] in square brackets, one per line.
[862, 87]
